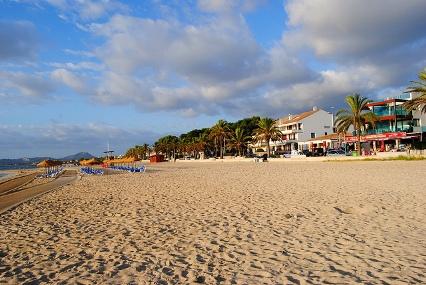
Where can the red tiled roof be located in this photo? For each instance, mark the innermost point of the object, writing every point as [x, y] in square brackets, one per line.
[295, 118]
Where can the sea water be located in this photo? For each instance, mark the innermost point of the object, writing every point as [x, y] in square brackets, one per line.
[15, 166]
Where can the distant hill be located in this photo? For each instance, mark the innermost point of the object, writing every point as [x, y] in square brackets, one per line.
[22, 161]
[77, 156]
[35, 160]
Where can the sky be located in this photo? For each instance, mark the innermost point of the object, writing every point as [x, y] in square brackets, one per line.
[77, 75]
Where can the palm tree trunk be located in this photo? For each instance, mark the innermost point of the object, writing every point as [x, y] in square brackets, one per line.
[359, 142]
[267, 146]
[224, 147]
[221, 149]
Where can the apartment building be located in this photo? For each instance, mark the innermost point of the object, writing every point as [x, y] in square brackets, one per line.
[298, 129]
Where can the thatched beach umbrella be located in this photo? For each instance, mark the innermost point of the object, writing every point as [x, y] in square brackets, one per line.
[131, 160]
[46, 164]
[92, 161]
[113, 161]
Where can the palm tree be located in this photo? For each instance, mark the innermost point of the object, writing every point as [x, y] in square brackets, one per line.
[145, 151]
[167, 145]
[420, 88]
[219, 133]
[201, 143]
[239, 140]
[358, 115]
[131, 152]
[267, 131]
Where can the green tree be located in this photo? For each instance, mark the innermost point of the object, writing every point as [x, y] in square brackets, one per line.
[138, 151]
[167, 145]
[420, 88]
[239, 140]
[146, 151]
[358, 115]
[219, 133]
[267, 131]
[247, 124]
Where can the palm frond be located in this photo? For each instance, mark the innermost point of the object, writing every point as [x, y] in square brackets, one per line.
[418, 87]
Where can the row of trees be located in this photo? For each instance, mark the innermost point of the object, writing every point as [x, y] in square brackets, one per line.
[223, 137]
[139, 151]
[235, 137]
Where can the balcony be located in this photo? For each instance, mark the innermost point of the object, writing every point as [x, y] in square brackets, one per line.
[391, 112]
[389, 130]
[293, 131]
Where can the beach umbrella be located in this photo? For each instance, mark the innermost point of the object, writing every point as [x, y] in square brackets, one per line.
[48, 163]
[130, 159]
[92, 161]
[108, 162]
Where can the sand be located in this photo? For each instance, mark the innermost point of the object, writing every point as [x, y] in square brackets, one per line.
[225, 223]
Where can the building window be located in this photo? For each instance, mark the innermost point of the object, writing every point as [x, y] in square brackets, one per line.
[325, 133]
[416, 122]
[312, 135]
[300, 126]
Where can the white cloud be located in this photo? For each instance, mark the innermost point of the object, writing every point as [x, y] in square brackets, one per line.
[84, 65]
[33, 87]
[354, 28]
[166, 65]
[169, 65]
[214, 64]
[227, 5]
[214, 52]
[81, 10]
[70, 79]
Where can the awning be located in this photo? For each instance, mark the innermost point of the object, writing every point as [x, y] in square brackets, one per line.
[380, 137]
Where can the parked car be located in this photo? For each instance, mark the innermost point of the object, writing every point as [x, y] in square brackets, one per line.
[335, 152]
[402, 148]
[316, 152]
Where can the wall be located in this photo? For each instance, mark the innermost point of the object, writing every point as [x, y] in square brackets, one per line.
[315, 124]
[418, 115]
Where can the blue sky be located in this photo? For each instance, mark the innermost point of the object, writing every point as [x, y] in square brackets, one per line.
[77, 74]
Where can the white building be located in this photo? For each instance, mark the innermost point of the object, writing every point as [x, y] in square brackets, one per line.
[299, 129]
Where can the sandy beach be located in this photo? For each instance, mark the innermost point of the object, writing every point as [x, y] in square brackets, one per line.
[225, 223]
